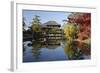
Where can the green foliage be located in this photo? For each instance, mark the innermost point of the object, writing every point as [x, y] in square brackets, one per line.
[36, 24]
[23, 24]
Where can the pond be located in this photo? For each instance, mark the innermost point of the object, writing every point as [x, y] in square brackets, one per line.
[37, 52]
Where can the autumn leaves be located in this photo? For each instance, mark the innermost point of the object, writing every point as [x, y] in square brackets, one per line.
[77, 32]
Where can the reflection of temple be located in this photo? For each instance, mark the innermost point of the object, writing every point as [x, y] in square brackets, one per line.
[51, 32]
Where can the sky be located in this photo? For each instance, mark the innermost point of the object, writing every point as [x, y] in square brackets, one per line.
[45, 16]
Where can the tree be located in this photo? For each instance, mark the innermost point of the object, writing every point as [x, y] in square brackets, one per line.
[84, 22]
[70, 31]
[36, 24]
[23, 23]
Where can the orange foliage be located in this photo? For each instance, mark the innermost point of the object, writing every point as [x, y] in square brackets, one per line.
[84, 22]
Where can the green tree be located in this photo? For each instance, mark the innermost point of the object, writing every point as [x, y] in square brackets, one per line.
[23, 22]
[36, 24]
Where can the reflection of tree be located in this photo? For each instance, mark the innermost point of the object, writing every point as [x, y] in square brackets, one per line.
[72, 51]
[36, 49]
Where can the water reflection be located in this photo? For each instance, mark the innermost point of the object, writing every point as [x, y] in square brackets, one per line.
[36, 50]
[38, 45]
[59, 50]
[73, 52]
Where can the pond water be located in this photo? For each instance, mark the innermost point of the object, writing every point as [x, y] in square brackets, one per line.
[36, 53]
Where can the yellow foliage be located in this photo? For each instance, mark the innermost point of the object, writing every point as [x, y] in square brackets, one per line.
[36, 28]
[70, 30]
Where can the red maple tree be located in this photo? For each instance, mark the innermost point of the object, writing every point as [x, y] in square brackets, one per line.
[84, 22]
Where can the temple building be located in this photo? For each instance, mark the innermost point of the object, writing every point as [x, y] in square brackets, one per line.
[51, 32]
